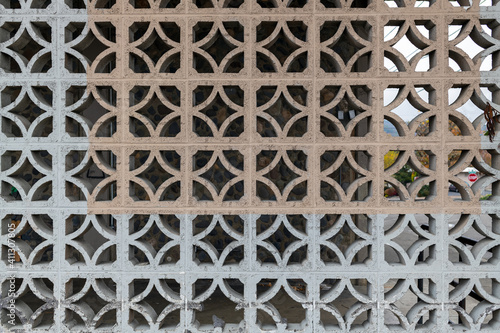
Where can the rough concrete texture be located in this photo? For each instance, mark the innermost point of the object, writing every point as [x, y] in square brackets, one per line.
[218, 166]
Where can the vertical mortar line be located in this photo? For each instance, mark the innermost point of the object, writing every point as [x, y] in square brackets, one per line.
[378, 148]
[442, 162]
[123, 34]
[58, 242]
[122, 240]
[248, 236]
[251, 113]
[442, 104]
[314, 166]
[122, 116]
[121, 219]
[182, 260]
[57, 169]
[59, 166]
[313, 287]
[377, 99]
[313, 100]
[441, 228]
[186, 218]
[377, 285]
[314, 181]
[122, 12]
[379, 278]
[252, 281]
[123, 225]
[378, 63]
[186, 99]
[122, 164]
[378, 160]
[251, 313]
[442, 170]
[58, 56]
[188, 268]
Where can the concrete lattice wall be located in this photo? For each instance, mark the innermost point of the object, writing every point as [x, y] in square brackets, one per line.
[218, 166]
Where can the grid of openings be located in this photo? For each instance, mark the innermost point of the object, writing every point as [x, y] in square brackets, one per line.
[249, 165]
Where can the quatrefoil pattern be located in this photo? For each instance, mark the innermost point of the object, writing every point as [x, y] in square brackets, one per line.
[27, 176]
[103, 250]
[345, 111]
[345, 240]
[345, 175]
[282, 176]
[487, 176]
[27, 111]
[155, 303]
[26, 47]
[282, 241]
[156, 240]
[90, 175]
[219, 240]
[282, 46]
[34, 239]
[218, 176]
[88, 303]
[419, 105]
[473, 46]
[218, 112]
[344, 305]
[418, 54]
[478, 315]
[421, 165]
[35, 297]
[155, 175]
[420, 314]
[155, 47]
[345, 46]
[279, 166]
[89, 47]
[483, 253]
[282, 112]
[218, 47]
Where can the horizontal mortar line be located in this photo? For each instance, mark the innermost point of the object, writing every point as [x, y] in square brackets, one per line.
[264, 145]
[399, 76]
[128, 79]
[279, 77]
[158, 272]
[276, 210]
[6, 81]
[188, 209]
[269, 81]
[247, 210]
[150, 269]
[269, 16]
[214, 145]
[411, 13]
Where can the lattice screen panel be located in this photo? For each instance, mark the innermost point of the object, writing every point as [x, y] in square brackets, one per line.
[235, 166]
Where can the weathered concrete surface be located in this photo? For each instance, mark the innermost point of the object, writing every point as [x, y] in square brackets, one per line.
[219, 166]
